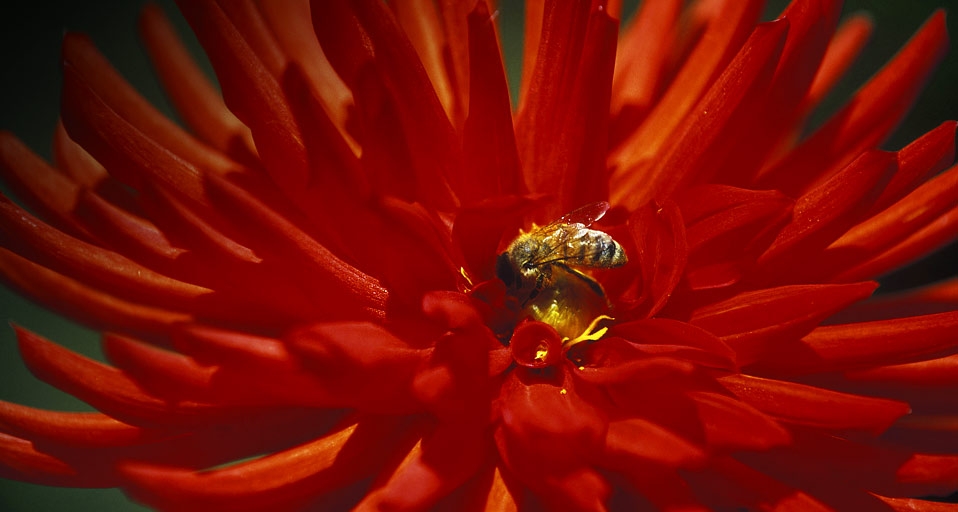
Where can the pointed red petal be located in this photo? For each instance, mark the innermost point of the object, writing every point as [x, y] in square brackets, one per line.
[920, 208]
[421, 23]
[658, 252]
[107, 388]
[917, 505]
[730, 423]
[868, 119]
[753, 321]
[728, 27]
[70, 428]
[852, 346]
[84, 64]
[44, 190]
[20, 460]
[84, 304]
[926, 156]
[933, 474]
[489, 144]
[283, 480]
[292, 27]
[367, 366]
[197, 101]
[727, 228]
[941, 372]
[823, 214]
[844, 47]
[636, 438]
[341, 289]
[562, 124]
[817, 407]
[641, 62]
[811, 23]
[380, 66]
[96, 266]
[930, 237]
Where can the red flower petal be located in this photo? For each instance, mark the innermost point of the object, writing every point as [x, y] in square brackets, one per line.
[108, 389]
[811, 23]
[659, 250]
[20, 460]
[842, 50]
[562, 124]
[87, 305]
[70, 428]
[47, 192]
[728, 423]
[852, 346]
[926, 156]
[489, 145]
[287, 479]
[537, 416]
[825, 212]
[364, 364]
[867, 119]
[641, 64]
[756, 321]
[197, 101]
[705, 135]
[667, 337]
[631, 439]
[380, 66]
[729, 25]
[925, 240]
[727, 228]
[808, 405]
[916, 210]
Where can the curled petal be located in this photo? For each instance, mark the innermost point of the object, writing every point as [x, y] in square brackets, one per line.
[539, 415]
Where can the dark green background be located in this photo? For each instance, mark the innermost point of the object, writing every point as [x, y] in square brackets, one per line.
[29, 59]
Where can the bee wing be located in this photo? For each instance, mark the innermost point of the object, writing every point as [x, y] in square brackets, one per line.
[585, 215]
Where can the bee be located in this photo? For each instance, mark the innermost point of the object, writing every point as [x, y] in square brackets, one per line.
[540, 268]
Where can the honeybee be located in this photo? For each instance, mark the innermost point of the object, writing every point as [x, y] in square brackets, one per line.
[539, 268]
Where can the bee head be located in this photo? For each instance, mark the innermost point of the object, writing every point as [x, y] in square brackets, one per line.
[506, 271]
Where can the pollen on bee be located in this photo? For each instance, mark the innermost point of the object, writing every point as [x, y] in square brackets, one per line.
[563, 391]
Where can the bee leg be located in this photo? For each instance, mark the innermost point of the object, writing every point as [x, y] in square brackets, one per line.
[540, 280]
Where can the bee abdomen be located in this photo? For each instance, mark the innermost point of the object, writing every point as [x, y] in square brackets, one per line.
[602, 251]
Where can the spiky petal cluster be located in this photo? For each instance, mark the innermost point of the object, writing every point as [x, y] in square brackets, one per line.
[309, 272]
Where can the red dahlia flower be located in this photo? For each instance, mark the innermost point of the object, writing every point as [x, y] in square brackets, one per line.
[352, 282]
